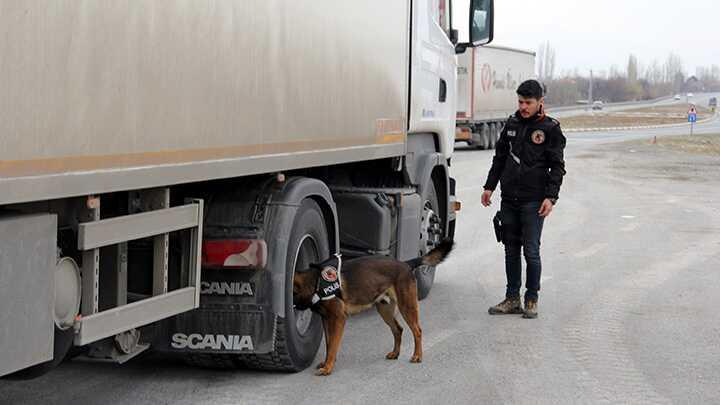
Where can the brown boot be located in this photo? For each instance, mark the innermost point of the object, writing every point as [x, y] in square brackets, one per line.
[510, 305]
[531, 309]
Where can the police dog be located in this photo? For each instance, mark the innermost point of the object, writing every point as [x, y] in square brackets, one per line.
[379, 281]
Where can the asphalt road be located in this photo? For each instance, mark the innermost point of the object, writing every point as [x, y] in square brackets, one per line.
[628, 307]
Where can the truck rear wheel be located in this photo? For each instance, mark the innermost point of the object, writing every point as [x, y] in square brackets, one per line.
[484, 141]
[494, 129]
[299, 334]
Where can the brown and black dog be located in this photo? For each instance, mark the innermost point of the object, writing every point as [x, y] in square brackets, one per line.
[378, 281]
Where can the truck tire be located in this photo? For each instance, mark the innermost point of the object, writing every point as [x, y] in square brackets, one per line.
[493, 135]
[299, 334]
[484, 137]
[425, 275]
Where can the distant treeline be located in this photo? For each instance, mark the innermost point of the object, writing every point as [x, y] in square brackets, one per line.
[635, 82]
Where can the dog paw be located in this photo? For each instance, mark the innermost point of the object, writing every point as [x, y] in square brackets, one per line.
[392, 356]
[416, 359]
[324, 371]
[320, 365]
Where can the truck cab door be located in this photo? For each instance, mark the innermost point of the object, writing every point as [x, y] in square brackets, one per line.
[433, 73]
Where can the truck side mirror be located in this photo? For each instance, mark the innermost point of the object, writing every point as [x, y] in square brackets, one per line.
[472, 25]
[482, 18]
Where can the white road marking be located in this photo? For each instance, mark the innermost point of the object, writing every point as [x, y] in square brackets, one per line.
[629, 228]
[628, 217]
[434, 339]
[591, 250]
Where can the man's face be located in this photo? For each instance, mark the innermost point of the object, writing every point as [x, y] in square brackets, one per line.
[529, 106]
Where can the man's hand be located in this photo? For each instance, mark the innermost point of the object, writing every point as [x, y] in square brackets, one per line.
[485, 199]
[546, 208]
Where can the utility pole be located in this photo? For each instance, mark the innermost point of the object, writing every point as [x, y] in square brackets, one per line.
[590, 90]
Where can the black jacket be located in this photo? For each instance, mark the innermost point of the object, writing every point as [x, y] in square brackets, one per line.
[528, 159]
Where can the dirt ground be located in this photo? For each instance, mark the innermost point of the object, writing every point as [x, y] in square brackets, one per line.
[673, 114]
[708, 144]
[683, 158]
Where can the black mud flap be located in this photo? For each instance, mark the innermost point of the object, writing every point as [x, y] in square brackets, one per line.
[235, 317]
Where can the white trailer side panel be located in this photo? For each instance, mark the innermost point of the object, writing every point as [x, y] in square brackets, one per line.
[27, 290]
[493, 75]
[107, 95]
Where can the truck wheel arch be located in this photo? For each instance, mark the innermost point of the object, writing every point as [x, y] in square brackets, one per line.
[426, 167]
[283, 206]
[428, 170]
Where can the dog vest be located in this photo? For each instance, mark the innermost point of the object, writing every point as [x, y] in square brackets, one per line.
[328, 285]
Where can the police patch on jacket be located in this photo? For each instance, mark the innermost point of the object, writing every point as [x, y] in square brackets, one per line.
[538, 137]
[329, 281]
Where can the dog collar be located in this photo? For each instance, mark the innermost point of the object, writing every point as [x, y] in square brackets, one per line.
[328, 284]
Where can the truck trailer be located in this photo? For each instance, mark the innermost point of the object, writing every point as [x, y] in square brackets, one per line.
[487, 79]
[167, 166]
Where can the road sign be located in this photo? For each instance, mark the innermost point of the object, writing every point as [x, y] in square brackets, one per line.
[692, 117]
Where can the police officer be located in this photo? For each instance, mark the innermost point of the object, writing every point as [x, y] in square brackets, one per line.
[529, 166]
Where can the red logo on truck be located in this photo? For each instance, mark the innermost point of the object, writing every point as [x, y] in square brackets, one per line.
[486, 77]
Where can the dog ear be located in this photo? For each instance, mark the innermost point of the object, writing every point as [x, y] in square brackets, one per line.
[302, 279]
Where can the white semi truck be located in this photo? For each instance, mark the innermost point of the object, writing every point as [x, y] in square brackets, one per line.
[166, 166]
[487, 79]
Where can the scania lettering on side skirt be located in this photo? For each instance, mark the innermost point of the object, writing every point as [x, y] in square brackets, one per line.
[196, 341]
[226, 288]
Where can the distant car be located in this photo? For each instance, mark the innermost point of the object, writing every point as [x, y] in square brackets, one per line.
[689, 94]
[677, 97]
[713, 102]
[597, 105]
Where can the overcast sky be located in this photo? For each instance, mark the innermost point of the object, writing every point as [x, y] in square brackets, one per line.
[597, 34]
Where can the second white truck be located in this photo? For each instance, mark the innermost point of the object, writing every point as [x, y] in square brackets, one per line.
[487, 79]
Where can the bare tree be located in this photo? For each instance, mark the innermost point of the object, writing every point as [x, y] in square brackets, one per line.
[549, 62]
[654, 73]
[632, 69]
[651, 80]
[545, 62]
[540, 62]
[673, 68]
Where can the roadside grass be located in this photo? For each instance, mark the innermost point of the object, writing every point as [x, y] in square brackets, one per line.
[706, 144]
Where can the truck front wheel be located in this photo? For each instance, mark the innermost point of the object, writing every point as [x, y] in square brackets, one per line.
[430, 235]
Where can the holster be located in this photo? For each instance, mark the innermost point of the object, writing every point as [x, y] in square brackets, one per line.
[497, 224]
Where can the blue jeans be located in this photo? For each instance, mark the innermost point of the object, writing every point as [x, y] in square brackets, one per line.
[522, 228]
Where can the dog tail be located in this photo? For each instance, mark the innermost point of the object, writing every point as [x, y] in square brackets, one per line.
[435, 256]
